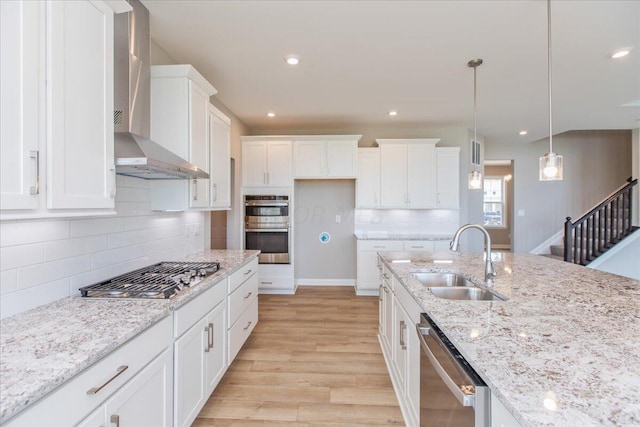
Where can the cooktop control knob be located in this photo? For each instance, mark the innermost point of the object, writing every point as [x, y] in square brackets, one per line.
[202, 272]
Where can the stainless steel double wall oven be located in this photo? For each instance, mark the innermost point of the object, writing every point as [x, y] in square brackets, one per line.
[267, 227]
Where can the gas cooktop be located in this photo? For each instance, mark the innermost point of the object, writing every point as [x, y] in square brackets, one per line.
[159, 281]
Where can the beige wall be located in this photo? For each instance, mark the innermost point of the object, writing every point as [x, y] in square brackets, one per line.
[595, 164]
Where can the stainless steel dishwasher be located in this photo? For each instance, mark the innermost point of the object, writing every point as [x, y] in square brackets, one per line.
[451, 392]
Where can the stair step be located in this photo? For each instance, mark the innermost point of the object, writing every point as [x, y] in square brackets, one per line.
[559, 258]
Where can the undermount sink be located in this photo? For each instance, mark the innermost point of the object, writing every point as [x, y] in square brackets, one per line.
[455, 287]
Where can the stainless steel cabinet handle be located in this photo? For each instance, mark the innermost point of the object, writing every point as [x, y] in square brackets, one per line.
[403, 328]
[248, 295]
[247, 327]
[380, 292]
[267, 283]
[380, 247]
[248, 271]
[114, 184]
[386, 291]
[115, 419]
[208, 347]
[210, 335]
[268, 178]
[195, 189]
[215, 192]
[119, 371]
[35, 189]
[386, 276]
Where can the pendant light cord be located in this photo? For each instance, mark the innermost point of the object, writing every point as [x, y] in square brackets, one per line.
[549, 72]
[475, 122]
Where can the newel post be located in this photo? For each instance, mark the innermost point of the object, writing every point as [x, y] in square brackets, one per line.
[568, 227]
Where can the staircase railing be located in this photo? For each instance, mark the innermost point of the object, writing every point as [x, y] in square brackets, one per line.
[601, 228]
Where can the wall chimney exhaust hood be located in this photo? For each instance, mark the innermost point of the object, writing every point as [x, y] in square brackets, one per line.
[135, 154]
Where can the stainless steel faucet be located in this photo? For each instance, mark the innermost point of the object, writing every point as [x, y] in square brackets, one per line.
[489, 271]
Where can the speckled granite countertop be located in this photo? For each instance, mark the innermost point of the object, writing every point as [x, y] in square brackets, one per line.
[382, 235]
[42, 348]
[568, 333]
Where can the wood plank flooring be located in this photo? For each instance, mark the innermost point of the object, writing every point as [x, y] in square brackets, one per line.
[312, 360]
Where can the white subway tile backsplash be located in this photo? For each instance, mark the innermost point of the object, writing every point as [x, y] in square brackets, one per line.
[428, 221]
[49, 271]
[152, 221]
[132, 194]
[113, 256]
[74, 247]
[20, 256]
[105, 273]
[8, 281]
[24, 232]
[129, 238]
[25, 299]
[94, 227]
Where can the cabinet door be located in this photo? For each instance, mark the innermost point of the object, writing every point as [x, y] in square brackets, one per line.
[401, 324]
[441, 245]
[448, 178]
[393, 176]
[146, 400]
[21, 76]
[342, 159]
[418, 245]
[367, 276]
[80, 163]
[387, 335]
[309, 158]
[279, 164]
[215, 358]
[421, 175]
[220, 140]
[254, 164]
[368, 183]
[199, 143]
[189, 396]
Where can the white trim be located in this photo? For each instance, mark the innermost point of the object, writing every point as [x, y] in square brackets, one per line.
[543, 248]
[325, 282]
[277, 291]
[614, 250]
[367, 292]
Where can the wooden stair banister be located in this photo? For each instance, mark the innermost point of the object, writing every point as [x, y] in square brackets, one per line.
[601, 228]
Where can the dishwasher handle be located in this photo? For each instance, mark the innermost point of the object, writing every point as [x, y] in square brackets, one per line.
[464, 393]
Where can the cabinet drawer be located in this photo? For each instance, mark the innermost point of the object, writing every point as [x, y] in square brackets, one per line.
[93, 386]
[380, 245]
[187, 315]
[242, 297]
[239, 332]
[237, 278]
[418, 245]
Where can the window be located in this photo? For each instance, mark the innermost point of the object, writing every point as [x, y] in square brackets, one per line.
[494, 202]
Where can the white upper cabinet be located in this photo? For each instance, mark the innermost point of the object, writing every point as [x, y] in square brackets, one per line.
[368, 181]
[57, 136]
[179, 122]
[220, 146]
[21, 75]
[408, 173]
[318, 157]
[448, 179]
[266, 162]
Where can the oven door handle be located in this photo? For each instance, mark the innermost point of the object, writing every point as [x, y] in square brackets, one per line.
[267, 204]
[465, 394]
[267, 230]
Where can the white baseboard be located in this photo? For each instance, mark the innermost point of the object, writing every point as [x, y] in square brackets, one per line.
[367, 293]
[325, 282]
[277, 292]
[544, 247]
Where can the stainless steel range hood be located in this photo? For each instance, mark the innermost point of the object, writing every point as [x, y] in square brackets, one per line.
[135, 154]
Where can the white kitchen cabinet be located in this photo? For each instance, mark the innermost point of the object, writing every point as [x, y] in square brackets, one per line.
[418, 245]
[220, 146]
[330, 157]
[500, 415]
[386, 336]
[179, 122]
[368, 180]
[408, 173]
[130, 367]
[367, 278]
[448, 179]
[266, 162]
[242, 306]
[143, 401]
[57, 138]
[441, 245]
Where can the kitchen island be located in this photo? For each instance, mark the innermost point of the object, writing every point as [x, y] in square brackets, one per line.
[43, 348]
[564, 349]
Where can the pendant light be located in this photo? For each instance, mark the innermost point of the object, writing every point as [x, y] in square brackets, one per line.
[550, 163]
[475, 177]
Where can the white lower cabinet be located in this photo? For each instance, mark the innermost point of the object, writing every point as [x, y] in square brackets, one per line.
[243, 306]
[143, 401]
[500, 416]
[367, 282]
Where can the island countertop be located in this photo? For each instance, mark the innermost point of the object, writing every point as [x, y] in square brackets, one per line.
[43, 348]
[564, 349]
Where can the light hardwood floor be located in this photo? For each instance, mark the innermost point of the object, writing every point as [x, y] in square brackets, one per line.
[312, 360]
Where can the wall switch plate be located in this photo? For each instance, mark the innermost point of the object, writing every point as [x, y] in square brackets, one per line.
[338, 218]
[520, 212]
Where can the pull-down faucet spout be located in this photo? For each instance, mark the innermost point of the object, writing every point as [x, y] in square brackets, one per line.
[489, 271]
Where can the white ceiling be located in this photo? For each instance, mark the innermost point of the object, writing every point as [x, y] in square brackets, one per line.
[360, 59]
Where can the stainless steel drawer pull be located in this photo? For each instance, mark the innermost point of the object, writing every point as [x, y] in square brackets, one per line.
[247, 327]
[403, 328]
[195, 189]
[267, 283]
[35, 189]
[119, 371]
[248, 295]
[210, 335]
[382, 247]
[386, 276]
[386, 291]
[115, 419]
[248, 271]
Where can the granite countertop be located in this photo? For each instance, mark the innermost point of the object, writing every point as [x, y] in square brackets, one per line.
[43, 348]
[563, 350]
[383, 235]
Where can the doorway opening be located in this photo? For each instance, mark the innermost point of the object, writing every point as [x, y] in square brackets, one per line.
[498, 203]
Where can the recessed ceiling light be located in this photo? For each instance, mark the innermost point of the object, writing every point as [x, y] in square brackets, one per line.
[522, 132]
[271, 114]
[620, 53]
[393, 113]
[292, 59]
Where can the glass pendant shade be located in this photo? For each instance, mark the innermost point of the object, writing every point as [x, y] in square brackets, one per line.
[475, 180]
[551, 167]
